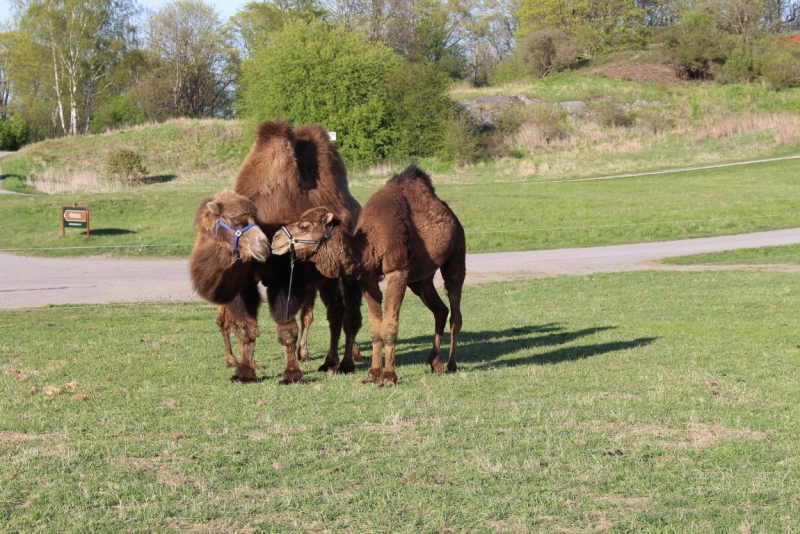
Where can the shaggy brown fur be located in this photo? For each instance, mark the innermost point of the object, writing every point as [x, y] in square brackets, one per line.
[286, 172]
[406, 233]
[214, 262]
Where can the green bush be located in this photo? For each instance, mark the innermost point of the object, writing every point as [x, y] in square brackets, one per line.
[546, 52]
[779, 63]
[460, 144]
[116, 112]
[510, 70]
[740, 66]
[380, 106]
[611, 114]
[13, 132]
[126, 165]
[696, 46]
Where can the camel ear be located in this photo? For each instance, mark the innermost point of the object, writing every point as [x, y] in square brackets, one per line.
[213, 207]
[328, 218]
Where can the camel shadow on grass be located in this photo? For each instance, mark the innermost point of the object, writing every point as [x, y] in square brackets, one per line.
[487, 348]
[111, 231]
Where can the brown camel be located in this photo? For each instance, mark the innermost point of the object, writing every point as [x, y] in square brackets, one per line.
[405, 233]
[286, 172]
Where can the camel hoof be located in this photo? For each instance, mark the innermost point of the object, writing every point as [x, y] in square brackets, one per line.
[388, 379]
[436, 366]
[452, 367]
[292, 376]
[331, 364]
[346, 367]
[357, 357]
[373, 375]
[244, 374]
[303, 355]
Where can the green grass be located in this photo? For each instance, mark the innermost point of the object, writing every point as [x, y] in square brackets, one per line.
[637, 402]
[787, 254]
[496, 216]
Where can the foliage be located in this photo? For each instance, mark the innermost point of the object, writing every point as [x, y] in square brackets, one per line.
[696, 45]
[13, 132]
[117, 112]
[419, 108]
[779, 63]
[77, 43]
[361, 90]
[126, 165]
[256, 21]
[193, 62]
[509, 70]
[595, 25]
[460, 144]
[546, 52]
[610, 114]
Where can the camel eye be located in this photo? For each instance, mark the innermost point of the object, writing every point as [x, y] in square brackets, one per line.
[304, 226]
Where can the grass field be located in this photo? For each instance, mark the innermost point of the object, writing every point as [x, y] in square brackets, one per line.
[788, 254]
[496, 216]
[649, 401]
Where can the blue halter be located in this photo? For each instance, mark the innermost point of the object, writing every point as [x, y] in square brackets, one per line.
[236, 233]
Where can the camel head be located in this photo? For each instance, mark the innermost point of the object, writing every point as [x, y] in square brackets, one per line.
[228, 221]
[307, 234]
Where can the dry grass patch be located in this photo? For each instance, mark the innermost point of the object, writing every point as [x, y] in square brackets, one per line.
[624, 501]
[216, 526]
[696, 436]
[53, 181]
[512, 524]
[785, 125]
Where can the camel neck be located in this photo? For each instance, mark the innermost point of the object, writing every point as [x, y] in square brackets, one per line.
[342, 255]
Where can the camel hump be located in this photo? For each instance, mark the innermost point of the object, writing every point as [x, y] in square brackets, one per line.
[412, 175]
[267, 130]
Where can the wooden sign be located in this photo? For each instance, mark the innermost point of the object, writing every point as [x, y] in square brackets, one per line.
[75, 217]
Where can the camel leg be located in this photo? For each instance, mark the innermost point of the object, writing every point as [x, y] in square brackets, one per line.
[224, 320]
[351, 322]
[453, 272]
[329, 293]
[396, 283]
[244, 314]
[373, 296]
[287, 329]
[306, 319]
[430, 297]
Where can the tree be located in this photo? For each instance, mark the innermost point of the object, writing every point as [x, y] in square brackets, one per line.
[379, 106]
[192, 57]
[254, 22]
[84, 40]
[596, 25]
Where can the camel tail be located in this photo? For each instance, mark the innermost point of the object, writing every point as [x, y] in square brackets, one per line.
[454, 270]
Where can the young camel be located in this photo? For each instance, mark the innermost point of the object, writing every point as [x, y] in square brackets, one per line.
[220, 254]
[404, 233]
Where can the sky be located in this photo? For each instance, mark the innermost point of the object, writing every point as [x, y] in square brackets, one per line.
[225, 8]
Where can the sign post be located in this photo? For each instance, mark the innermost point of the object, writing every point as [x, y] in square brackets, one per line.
[75, 217]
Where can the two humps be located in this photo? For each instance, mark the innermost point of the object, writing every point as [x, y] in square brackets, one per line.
[404, 233]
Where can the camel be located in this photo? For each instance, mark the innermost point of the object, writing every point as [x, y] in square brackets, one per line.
[287, 171]
[405, 233]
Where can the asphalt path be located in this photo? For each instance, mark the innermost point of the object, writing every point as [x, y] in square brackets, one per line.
[30, 282]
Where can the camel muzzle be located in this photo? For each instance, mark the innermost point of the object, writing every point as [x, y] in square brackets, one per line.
[236, 235]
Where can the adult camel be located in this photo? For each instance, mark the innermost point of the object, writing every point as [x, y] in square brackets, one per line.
[287, 171]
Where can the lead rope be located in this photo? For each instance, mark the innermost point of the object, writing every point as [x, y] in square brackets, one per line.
[291, 276]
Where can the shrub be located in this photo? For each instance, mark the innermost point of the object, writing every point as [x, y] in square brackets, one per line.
[418, 109]
[460, 141]
[779, 63]
[740, 66]
[611, 114]
[116, 112]
[13, 133]
[696, 46]
[546, 52]
[379, 105]
[510, 70]
[126, 165]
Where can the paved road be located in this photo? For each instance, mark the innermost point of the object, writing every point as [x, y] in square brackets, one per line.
[27, 282]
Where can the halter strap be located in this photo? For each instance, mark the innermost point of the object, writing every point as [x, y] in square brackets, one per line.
[293, 257]
[236, 233]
